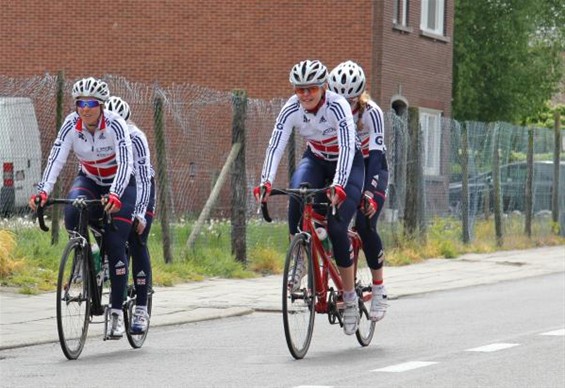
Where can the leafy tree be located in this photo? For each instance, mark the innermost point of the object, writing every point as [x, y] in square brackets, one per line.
[507, 57]
[545, 117]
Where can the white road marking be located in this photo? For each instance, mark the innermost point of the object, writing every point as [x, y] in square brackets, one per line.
[492, 347]
[405, 366]
[555, 332]
[314, 386]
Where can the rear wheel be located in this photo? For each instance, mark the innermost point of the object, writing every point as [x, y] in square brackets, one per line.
[298, 297]
[363, 286]
[73, 301]
[136, 340]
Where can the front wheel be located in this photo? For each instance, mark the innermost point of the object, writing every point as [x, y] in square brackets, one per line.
[298, 296]
[73, 299]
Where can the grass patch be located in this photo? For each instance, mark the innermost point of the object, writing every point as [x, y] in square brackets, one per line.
[29, 262]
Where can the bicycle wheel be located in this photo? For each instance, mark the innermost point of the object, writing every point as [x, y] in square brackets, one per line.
[136, 340]
[73, 301]
[298, 297]
[363, 285]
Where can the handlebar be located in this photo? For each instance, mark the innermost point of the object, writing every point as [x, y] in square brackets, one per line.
[80, 202]
[301, 193]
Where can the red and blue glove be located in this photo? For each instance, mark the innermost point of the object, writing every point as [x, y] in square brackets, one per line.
[371, 203]
[38, 199]
[262, 192]
[368, 204]
[336, 194]
[112, 203]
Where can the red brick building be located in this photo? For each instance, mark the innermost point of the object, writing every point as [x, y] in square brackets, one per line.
[404, 46]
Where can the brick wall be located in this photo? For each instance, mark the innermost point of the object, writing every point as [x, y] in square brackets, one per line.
[223, 45]
[415, 66]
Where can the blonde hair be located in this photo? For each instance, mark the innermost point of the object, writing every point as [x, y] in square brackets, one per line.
[364, 98]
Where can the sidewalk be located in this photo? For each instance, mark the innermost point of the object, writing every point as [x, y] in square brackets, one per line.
[27, 320]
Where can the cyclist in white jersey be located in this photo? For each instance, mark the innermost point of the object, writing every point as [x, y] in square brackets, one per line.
[101, 143]
[333, 157]
[348, 79]
[143, 213]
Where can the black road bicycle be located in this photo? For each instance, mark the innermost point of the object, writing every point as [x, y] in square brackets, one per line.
[81, 282]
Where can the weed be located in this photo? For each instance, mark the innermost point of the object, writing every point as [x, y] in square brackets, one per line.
[29, 261]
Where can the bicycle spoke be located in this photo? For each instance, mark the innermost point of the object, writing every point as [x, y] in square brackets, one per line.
[73, 305]
[298, 298]
[363, 285]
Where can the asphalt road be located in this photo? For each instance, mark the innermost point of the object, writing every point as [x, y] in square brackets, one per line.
[509, 334]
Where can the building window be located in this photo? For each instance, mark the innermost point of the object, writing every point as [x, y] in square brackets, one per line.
[400, 12]
[432, 19]
[430, 122]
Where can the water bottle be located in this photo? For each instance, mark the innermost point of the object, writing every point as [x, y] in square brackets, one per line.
[323, 236]
[97, 262]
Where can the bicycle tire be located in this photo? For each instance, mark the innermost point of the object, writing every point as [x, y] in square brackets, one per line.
[298, 302]
[73, 299]
[363, 286]
[136, 340]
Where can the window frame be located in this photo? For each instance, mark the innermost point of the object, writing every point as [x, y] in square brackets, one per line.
[431, 140]
[439, 19]
[400, 13]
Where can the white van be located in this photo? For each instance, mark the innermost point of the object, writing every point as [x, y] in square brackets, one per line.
[20, 153]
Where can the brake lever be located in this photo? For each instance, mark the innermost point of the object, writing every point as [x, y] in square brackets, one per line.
[40, 215]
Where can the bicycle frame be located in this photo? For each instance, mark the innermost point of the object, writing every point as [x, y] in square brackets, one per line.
[318, 288]
[97, 307]
[324, 266]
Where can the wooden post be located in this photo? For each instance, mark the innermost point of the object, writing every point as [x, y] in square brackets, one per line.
[413, 175]
[465, 183]
[556, 158]
[496, 182]
[528, 200]
[163, 178]
[55, 210]
[238, 178]
[213, 196]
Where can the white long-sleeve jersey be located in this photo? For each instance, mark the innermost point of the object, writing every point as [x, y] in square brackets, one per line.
[372, 130]
[105, 156]
[329, 133]
[143, 169]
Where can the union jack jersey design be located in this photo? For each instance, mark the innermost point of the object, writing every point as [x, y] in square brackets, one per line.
[143, 169]
[372, 131]
[105, 156]
[329, 133]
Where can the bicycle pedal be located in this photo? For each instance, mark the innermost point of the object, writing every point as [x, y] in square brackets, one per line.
[112, 338]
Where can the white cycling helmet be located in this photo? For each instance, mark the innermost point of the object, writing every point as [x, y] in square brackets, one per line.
[347, 79]
[308, 73]
[116, 104]
[91, 87]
